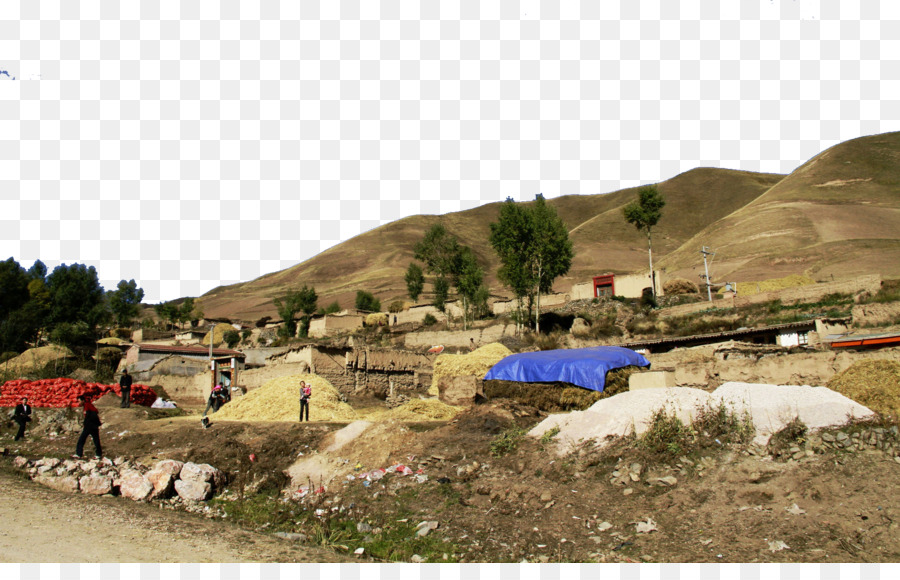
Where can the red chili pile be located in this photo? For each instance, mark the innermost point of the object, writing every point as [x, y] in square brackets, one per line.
[65, 392]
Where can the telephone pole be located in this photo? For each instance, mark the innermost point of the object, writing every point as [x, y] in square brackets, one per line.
[705, 251]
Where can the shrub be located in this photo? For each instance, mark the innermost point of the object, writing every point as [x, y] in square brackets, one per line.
[680, 286]
[666, 435]
[647, 299]
[366, 301]
[246, 333]
[507, 441]
[232, 337]
[429, 320]
[605, 326]
[396, 306]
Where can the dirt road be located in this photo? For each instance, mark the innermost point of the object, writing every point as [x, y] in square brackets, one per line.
[44, 525]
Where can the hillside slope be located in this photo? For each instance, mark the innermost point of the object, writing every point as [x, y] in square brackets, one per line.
[836, 215]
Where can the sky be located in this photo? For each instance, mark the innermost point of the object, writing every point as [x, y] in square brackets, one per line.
[190, 146]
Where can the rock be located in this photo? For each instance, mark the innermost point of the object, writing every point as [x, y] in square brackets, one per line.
[546, 496]
[193, 490]
[829, 437]
[20, 462]
[96, 485]
[668, 480]
[50, 462]
[169, 466]
[416, 559]
[292, 536]
[646, 527]
[67, 483]
[603, 526]
[133, 485]
[580, 327]
[424, 528]
[163, 483]
[627, 491]
[841, 436]
[460, 390]
[798, 455]
[203, 473]
[363, 527]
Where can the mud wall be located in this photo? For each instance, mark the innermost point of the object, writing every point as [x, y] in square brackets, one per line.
[459, 338]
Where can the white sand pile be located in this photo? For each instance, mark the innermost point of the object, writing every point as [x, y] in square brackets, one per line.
[620, 415]
[772, 406]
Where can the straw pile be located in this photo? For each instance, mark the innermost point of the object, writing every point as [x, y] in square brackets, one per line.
[218, 334]
[422, 410]
[376, 319]
[873, 383]
[476, 363]
[794, 280]
[279, 400]
[37, 358]
[111, 340]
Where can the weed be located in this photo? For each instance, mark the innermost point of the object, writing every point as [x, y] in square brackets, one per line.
[665, 436]
[548, 435]
[792, 433]
[507, 441]
[722, 425]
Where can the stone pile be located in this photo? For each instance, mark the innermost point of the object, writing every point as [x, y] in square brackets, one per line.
[884, 439]
[166, 479]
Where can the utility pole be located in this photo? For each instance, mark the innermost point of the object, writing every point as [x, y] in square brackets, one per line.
[705, 251]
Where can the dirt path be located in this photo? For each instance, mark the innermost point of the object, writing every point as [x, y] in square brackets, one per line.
[44, 525]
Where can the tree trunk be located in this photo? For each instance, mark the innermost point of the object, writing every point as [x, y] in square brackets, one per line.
[652, 277]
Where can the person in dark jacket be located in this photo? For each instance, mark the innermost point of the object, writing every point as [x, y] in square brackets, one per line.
[125, 385]
[22, 415]
[91, 428]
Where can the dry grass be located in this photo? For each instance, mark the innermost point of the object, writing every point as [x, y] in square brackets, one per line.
[873, 383]
[279, 400]
[792, 281]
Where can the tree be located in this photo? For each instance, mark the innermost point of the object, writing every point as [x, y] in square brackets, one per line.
[37, 270]
[439, 251]
[287, 308]
[469, 281]
[441, 292]
[367, 301]
[13, 287]
[124, 302]
[168, 312]
[533, 245]
[187, 311]
[644, 214]
[307, 302]
[231, 338]
[415, 281]
[76, 296]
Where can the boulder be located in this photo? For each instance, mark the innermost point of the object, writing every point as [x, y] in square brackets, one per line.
[580, 327]
[68, 483]
[192, 490]
[169, 466]
[20, 462]
[96, 484]
[134, 485]
[162, 481]
[203, 472]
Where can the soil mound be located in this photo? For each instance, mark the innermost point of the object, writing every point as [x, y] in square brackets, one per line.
[279, 400]
[37, 358]
[873, 383]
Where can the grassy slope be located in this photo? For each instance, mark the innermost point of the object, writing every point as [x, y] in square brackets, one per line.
[836, 215]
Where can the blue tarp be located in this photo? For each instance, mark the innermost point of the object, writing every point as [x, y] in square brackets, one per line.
[585, 367]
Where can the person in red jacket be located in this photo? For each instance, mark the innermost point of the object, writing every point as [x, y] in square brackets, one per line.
[91, 428]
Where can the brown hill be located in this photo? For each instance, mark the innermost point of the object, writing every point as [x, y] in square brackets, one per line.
[838, 214]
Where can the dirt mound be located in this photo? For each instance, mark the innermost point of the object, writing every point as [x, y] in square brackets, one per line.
[476, 363]
[37, 358]
[873, 383]
[279, 400]
[422, 410]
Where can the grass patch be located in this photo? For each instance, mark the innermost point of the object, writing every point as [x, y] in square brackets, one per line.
[507, 441]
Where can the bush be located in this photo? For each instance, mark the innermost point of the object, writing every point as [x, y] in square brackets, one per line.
[507, 441]
[396, 306]
[367, 301]
[429, 320]
[246, 334]
[232, 337]
[647, 299]
[680, 286]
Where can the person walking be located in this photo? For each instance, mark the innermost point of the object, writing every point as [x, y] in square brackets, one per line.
[125, 386]
[91, 428]
[22, 416]
[305, 394]
[215, 399]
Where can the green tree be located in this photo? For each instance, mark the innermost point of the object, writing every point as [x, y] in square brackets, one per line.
[367, 301]
[168, 312]
[231, 338]
[76, 296]
[332, 308]
[415, 281]
[37, 270]
[441, 288]
[644, 214]
[125, 301]
[439, 251]
[533, 245]
[13, 287]
[469, 282]
[188, 311]
[307, 302]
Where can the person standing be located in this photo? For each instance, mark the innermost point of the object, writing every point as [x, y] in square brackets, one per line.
[91, 428]
[125, 386]
[305, 394]
[22, 416]
[215, 399]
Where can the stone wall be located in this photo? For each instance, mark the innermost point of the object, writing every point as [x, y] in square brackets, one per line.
[416, 314]
[334, 324]
[459, 338]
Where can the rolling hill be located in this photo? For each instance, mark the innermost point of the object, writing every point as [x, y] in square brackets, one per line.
[837, 214]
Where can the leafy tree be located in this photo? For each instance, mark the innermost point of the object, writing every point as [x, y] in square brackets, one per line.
[469, 281]
[37, 270]
[439, 251]
[331, 308]
[533, 245]
[168, 312]
[367, 301]
[124, 302]
[644, 214]
[73, 335]
[441, 292]
[415, 281]
[13, 287]
[76, 296]
[187, 312]
[304, 300]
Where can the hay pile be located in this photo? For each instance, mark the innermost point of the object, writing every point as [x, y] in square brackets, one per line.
[218, 334]
[37, 358]
[377, 319]
[422, 410]
[111, 341]
[873, 383]
[794, 280]
[279, 400]
[476, 363]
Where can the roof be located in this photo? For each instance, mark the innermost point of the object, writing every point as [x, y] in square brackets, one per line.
[190, 350]
[884, 339]
[715, 336]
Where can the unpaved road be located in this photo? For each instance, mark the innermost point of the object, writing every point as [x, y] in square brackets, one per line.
[43, 525]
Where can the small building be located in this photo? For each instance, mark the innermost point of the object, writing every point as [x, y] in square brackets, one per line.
[332, 324]
[192, 336]
[604, 286]
[150, 359]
